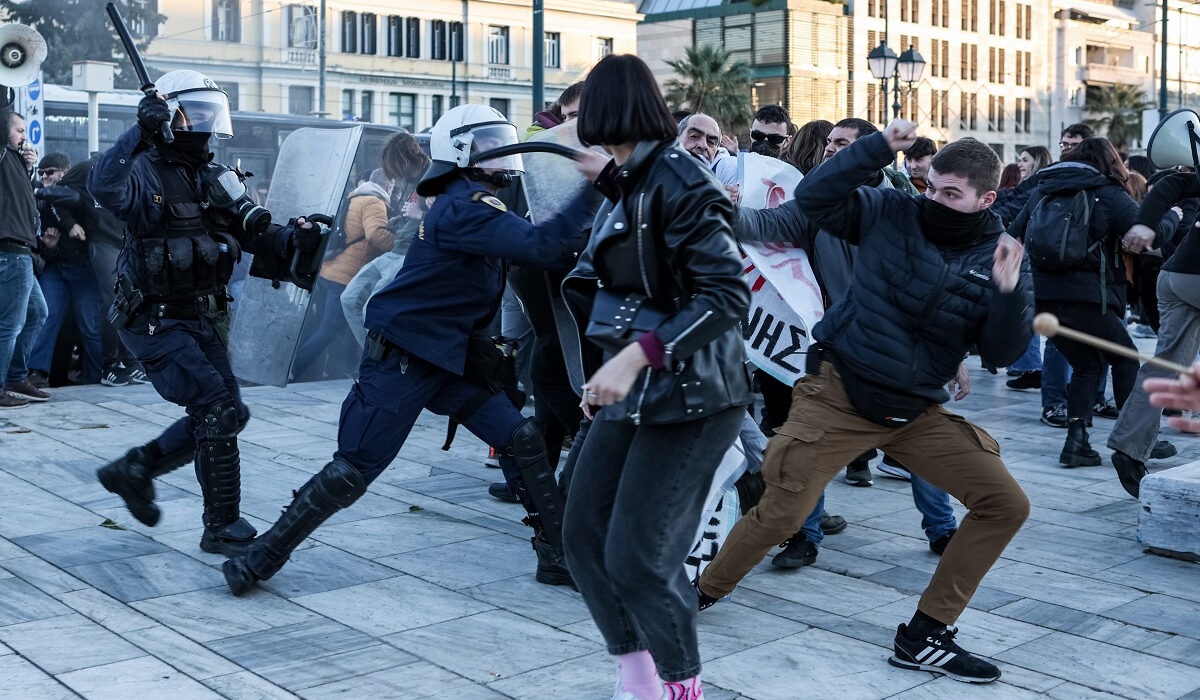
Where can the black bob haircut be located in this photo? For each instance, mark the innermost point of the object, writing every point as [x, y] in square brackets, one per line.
[621, 103]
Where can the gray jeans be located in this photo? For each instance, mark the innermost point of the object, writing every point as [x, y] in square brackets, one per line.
[1136, 430]
[632, 507]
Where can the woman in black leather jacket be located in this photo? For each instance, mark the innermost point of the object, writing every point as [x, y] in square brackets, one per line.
[668, 398]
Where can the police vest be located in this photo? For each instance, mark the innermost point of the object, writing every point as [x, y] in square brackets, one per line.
[184, 257]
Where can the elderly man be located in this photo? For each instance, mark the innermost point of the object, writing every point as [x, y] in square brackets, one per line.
[700, 135]
[22, 306]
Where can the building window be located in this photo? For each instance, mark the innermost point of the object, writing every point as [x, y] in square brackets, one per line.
[1000, 113]
[871, 8]
[412, 37]
[1029, 21]
[403, 111]
[904, 10]
[395, 44]
[1020, 22]
[227, 20]
[438, 38]
[437, 106]
[1000, 71]
[501, 106]
[367, 106]
[604, 47]
[553, 50]
[498, 45]
[991, 113]
[301, 25]
[456, 41]
[369, 32]
[349, 31]
[300, 99]
[232, 90]
[944, 115]
[1001, 16]
[348, 105]
[138, 26]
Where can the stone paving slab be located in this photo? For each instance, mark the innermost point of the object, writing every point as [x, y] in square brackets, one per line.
[424, 589]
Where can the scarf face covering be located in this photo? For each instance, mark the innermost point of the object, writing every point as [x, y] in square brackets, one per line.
[189, 148]
[950, 228]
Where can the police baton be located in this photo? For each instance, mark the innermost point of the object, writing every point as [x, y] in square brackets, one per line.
[138, 67]
[517, 148]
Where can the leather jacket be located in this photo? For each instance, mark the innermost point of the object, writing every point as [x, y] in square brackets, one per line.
[664, 231]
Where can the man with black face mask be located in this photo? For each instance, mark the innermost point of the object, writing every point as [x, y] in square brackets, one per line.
[769, 130]
[171, 306]
[933, 276]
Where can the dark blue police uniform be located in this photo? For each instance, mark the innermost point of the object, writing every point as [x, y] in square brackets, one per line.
[176, 261]
[419, 328]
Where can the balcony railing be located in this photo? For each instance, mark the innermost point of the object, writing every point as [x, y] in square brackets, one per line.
[499, 72]
[300, 56]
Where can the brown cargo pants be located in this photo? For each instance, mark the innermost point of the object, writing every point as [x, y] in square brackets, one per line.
[823, 433]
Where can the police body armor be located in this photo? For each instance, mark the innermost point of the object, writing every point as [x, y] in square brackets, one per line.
[184, 258]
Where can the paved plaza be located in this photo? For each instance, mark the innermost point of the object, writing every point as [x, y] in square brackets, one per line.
[424, 588]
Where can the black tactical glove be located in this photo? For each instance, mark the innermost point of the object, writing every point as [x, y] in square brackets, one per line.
[306, 240]
[151, 113]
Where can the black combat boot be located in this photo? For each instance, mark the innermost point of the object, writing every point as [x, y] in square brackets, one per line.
[132, 475]
[328, 491]
[539, 492]
[1130, 471]
[219, 471]
[1076, 451]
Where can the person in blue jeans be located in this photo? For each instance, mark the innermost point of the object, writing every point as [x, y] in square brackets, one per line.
[1056, 374]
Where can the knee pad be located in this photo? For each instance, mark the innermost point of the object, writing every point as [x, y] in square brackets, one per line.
[340, 482]
[219, 419]
[527, 442]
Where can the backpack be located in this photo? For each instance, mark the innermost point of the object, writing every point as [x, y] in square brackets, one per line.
[1057, 235]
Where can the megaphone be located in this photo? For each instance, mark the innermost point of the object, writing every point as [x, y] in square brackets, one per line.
[22, 51]
[1175, 140]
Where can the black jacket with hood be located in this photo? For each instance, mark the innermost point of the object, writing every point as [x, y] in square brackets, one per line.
[1101, 279]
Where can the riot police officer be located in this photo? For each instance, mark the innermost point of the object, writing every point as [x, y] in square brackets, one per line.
[424, 347]
[187, 221]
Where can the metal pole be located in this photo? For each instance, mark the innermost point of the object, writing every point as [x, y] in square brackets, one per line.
[321, 111]
[539, 56]
[1162, 78]
[93, 122]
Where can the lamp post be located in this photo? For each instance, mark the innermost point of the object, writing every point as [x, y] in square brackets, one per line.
[907, 67]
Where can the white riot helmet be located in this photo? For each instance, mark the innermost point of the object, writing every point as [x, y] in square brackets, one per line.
[197, 104]
[462, 132]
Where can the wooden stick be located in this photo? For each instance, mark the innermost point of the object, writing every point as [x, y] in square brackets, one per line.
[1048, 325]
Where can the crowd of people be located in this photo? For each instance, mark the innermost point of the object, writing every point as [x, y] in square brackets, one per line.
[636, 285]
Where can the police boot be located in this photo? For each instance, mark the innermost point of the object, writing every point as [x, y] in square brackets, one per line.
[1076, 451]
[539, 492]
[328, 491]
[218, 469]
[132, 475]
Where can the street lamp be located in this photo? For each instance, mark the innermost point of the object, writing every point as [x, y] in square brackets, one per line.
[884, 64]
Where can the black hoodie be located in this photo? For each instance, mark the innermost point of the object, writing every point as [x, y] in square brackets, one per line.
[1113, 213]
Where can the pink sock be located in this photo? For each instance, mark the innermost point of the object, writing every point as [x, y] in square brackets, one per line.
[689, 689]
[639, 676]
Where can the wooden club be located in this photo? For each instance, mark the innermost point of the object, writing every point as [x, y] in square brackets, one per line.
[1048, 325]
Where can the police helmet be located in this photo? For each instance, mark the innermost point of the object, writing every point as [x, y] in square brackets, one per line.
[197, 104]
[462, 131]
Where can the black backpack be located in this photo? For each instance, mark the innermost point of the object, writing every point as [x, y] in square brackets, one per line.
[1057, 235]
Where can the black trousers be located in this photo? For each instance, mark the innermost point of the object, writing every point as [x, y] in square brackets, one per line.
[1087, 361]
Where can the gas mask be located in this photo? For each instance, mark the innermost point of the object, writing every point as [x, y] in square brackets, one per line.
[225, 195]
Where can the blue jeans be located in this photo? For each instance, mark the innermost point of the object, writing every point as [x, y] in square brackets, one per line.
[1031, 361]
[70, 284]
[812, 524]
[937, 516]
[22, 313]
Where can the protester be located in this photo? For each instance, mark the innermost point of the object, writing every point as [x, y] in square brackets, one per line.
[1134, 438]
[806, 150]
[68, 282]
[564, 109]
[879, 368]
[770, 130]
[22, 305]
[644, 469]
[1026, 372]
[700, 135]
[1079, 275]
[1010, 177]
[916, 162]
[378, 273]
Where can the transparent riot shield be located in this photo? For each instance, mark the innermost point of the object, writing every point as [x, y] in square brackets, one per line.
[310, 177]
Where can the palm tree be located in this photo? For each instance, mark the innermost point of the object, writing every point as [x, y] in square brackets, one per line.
[1120, 109]
[713, 85]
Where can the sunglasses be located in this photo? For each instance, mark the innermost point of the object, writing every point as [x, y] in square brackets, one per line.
[48, 171]
[774, 139]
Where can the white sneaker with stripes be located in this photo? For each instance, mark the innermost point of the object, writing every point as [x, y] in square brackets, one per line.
[938, 653]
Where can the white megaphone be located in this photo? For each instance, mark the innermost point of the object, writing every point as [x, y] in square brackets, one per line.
[22, 51]
[1175, 140]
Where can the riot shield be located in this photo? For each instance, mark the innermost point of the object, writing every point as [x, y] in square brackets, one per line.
[551, 182]
[310, 176]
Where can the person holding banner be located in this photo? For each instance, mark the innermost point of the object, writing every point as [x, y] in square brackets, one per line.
[934, 275]
[657, 296]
